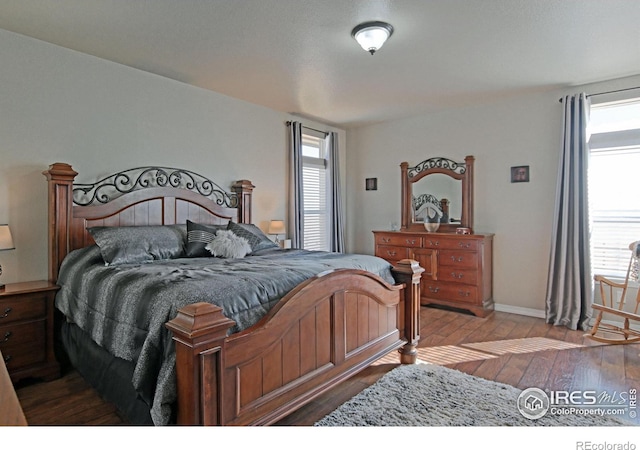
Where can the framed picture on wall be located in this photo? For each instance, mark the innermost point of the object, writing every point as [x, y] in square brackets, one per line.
[520, 174]
[371, 184]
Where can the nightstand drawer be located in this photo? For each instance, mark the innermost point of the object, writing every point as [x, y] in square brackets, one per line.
[23, 355]
[25, 332]
[32, 306]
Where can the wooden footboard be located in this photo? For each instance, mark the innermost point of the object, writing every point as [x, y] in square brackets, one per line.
[327, 329]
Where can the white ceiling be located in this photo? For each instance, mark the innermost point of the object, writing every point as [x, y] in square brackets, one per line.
[298, 56]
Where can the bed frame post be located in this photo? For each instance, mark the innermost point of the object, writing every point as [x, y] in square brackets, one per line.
[408, 271]
[60, 178]
[244, 190]
[199, 331]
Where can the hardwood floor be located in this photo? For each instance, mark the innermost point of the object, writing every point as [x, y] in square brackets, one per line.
[512, 349]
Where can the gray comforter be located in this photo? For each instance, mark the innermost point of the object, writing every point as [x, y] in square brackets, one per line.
[124, 307]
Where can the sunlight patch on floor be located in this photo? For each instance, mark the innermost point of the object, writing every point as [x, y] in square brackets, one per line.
[524, 345]
[476, 351]
[450, 354]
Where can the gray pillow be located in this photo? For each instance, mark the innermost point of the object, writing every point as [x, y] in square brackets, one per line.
[254, 235]
[131, 245]
[198, 236]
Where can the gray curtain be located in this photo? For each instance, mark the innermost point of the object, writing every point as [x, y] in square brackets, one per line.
[296, 207]
[337, 227]
[569, 286]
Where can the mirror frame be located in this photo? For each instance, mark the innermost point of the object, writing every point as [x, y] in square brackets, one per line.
[458, 170]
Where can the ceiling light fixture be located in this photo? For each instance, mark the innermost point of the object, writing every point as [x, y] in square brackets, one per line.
[372, 35]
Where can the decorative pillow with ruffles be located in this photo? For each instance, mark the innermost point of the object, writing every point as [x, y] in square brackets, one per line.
[226, 244]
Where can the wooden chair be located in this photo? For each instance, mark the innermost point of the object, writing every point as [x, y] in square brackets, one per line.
[609, 292]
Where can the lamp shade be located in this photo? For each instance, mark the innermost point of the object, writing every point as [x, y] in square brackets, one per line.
[6, 241]
[372, 35]
[276, 227]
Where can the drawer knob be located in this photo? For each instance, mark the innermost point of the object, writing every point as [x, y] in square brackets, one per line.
[386, 240]
[411, 241]
[435, 244]
[6, 313]
[458, 259]
[464, 293]
[457, 275]
[7, 335]
[464, 245]
[391, 253]
[434, 289]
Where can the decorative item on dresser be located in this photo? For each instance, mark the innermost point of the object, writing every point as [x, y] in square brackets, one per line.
[458, 270]
[457, 262]
[26, 330]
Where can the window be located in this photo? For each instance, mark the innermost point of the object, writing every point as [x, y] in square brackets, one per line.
[315, 179]
[613, 184]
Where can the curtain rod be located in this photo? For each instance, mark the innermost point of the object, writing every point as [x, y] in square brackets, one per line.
[289, 122]
[608, 92]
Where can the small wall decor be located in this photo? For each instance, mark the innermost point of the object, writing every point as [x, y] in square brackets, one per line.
[371, 184]
[520, 174]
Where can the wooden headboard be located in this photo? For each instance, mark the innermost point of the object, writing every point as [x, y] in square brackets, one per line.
[134, 197]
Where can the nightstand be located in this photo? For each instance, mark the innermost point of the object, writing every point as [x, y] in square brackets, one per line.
[26, 330]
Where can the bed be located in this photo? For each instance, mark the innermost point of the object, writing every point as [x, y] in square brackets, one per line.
[174, 336]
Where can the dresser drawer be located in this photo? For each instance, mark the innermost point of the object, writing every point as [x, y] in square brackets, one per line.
[450, 243]
[456, 293]
[399, 239]
[33, 306]
[459, 259]
[391, 253]
[457, 275]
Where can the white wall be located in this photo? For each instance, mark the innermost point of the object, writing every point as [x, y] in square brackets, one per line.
[523, 130]
[58, 105]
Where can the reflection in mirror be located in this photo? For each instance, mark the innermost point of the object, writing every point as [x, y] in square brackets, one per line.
[437, 190]
[442, 191]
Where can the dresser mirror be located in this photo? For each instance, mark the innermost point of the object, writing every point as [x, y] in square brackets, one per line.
[437, 189]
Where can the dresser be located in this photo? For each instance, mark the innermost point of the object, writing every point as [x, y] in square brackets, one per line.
[458, 267]
[26, 330]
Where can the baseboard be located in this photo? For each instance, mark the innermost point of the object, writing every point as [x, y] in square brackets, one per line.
[520, 310]
[540, 314]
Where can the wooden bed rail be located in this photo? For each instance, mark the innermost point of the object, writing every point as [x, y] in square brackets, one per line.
[213, 385]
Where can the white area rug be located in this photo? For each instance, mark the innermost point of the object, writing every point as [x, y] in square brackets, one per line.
[431, 395]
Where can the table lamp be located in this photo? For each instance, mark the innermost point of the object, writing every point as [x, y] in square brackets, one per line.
[276, 227]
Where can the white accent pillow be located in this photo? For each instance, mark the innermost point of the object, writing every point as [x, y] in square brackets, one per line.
[227, 244]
